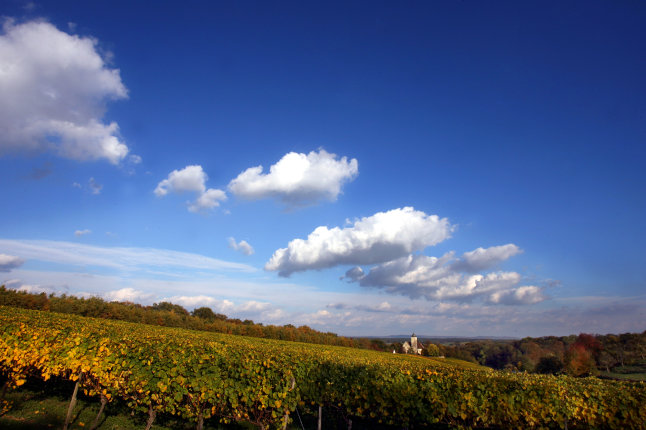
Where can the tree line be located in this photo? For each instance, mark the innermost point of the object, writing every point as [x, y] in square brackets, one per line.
[582, 355]
[172, 315]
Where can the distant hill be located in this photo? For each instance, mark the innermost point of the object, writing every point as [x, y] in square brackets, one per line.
[438, 339]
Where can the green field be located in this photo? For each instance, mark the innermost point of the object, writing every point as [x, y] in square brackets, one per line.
[203, 378]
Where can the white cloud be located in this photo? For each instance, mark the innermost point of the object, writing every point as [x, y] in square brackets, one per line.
[297, 179]
[520, 296]
[125, 259]
[433, 278]
[190, 302]
[412, 275]
[483, 259]
[35, 289]
[95, 188]
[134, 159]
[128, 295]
[53, 92]
[208, 200]
[19, 285]
[242, 246]
[79, 233]
[381, 307]
[381, 237]
[253, 306]
[250, 309]
[191, 179]
[299, 304]
[9, 262]
[354, 274]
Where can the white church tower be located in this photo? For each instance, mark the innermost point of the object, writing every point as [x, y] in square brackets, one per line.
[413, 342]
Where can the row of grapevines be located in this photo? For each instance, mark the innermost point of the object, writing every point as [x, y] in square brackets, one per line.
[198, 375]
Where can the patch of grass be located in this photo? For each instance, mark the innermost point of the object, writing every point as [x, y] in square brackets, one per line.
[629, 369]
[624, 376]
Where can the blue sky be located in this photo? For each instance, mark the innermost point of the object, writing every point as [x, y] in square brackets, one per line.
[455, 168]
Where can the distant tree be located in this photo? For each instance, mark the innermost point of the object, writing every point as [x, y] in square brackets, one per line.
[591, 343]
[500, 356]
[549, 365]
[431, 350]
[607, 360]
[170, 307]
[378, 345]
[579, 361]
[204, 313]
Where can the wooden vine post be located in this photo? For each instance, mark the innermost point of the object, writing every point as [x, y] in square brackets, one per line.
[320, 416]
[70, 409]
[151, 416]
[292, 385]
[200, 420]
[104, 401]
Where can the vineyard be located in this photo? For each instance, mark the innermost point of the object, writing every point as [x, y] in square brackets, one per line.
[199, 376]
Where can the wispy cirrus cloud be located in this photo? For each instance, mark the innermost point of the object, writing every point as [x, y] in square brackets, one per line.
[121, 258]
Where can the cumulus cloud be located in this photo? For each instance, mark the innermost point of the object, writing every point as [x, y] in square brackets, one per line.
[381, 307]
[32, 288]
[448, 278]
[254, 306]
[527, 295]
[128, 295]
[219, 306]
[242, 246]
[53, 92]
[36, 289]
[381, 237]
[10, 262]
[354, 274]
[297, 179]
[412, 275]
[191, 179]
[79, 233]
[248, 309]
[483, 259]
[209, 199]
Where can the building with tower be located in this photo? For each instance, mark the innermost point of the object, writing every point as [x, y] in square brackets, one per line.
[414, 347]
